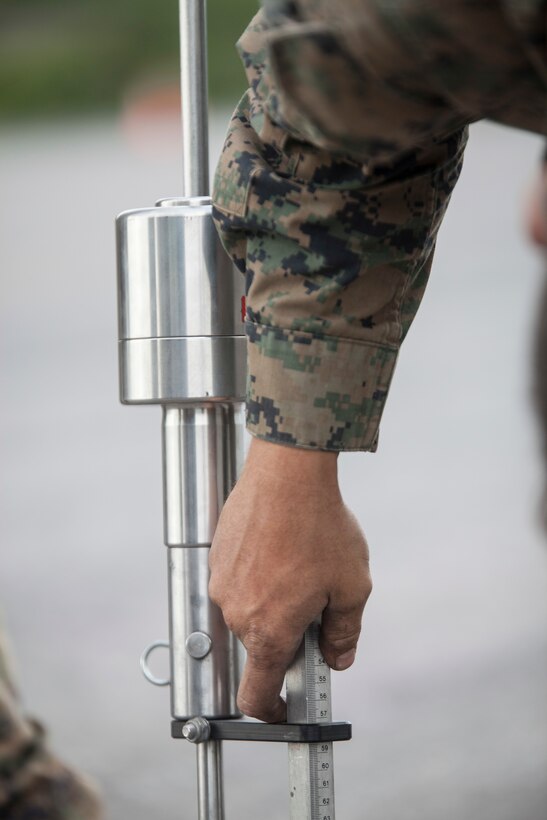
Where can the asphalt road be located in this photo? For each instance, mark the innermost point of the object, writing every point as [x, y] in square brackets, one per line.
[448, 693]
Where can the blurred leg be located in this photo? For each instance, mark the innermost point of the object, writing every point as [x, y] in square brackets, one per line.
[33, 782]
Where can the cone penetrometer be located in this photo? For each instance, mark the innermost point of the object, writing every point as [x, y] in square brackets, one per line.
[182, 346]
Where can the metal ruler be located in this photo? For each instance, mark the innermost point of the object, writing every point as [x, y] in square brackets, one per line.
[311, 772]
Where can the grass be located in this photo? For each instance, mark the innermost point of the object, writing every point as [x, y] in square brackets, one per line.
[62, 56]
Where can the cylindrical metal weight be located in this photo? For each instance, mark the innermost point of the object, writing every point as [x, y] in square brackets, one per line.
[175, 277]
[192, 369]
[179, 307]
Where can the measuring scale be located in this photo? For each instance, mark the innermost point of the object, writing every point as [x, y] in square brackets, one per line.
[311, 770]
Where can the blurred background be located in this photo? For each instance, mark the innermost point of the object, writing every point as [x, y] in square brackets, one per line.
[448, 693]
[61, 57]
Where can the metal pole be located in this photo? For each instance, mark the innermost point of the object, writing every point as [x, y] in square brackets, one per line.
[194, 98]
[202, 450]
[210, 791]
[195, 177]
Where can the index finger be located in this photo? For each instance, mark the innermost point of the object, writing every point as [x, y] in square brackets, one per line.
[259, 693]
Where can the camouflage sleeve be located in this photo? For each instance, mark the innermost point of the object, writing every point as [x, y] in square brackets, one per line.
[34, 783]
[333, 182]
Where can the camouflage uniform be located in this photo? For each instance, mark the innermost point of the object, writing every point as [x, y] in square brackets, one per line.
[334, 179]
[35, 785]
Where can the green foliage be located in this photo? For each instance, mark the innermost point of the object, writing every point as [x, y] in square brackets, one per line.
[75, 55]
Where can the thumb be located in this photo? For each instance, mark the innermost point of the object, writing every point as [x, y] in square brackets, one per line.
[340, 630]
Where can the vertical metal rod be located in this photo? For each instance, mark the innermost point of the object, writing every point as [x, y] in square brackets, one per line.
[194, 98]
[195, 174]
[210, 791]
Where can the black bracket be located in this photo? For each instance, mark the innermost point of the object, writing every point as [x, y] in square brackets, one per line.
[271, 732]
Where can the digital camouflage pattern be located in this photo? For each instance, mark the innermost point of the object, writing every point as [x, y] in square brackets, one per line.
[34, 784]
[335, 176]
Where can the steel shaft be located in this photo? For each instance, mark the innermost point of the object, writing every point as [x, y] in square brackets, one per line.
[194, 97]
[210, 782]
[195, 173]
[202, 453]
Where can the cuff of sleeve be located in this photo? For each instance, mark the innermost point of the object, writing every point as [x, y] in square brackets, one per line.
[324, 393]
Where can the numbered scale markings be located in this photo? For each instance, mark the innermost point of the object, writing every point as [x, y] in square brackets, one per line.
[311, 775]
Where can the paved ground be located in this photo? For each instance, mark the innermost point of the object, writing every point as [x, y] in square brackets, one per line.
[448, 695]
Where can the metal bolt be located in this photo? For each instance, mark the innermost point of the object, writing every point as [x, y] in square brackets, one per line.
[196, 730]
[198, 645]
[189, 731]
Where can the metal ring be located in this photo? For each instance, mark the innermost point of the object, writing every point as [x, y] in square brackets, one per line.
[144, 663]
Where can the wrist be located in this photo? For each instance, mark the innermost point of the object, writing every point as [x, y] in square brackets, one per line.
[292, 464]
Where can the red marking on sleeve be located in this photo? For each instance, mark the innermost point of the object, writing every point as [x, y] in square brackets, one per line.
[243, 309]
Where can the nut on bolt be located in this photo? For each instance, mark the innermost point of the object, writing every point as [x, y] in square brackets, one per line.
[196, 730]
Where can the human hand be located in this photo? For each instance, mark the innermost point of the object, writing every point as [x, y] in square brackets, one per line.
[285, 551]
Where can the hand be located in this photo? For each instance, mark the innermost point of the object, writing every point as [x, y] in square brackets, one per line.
[287, 550]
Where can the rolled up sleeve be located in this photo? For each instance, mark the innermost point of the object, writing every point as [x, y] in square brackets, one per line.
[332, 217]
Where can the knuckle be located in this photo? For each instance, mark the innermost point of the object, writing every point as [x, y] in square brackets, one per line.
[343, 641]
[215, 590]
[256, 708]
[230, 623]
[361, 591]
[249, 707]
[246, 707]
[232, 620]
[367, 587]
[229, 612]
[263, 645]
[363, 581]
